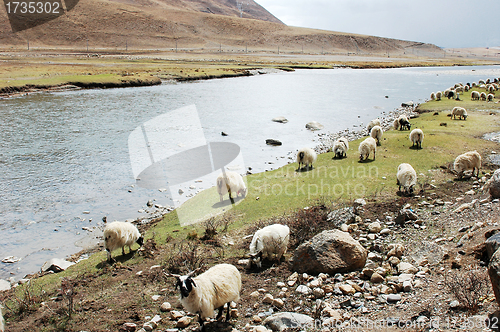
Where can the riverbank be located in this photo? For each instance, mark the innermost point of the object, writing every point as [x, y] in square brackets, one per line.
[106, 297]
[45, 70]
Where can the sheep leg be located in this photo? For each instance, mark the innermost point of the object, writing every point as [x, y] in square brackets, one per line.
[123, 250]
[219, 314]
[221, 198]
[228, 314]
[202, 323]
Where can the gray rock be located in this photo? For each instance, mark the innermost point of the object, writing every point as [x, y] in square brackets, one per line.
[494, 184]
[329, 252]
[494, 272]
[405, 215]
[4, 285]
[280, 119]
[56, 265]
[392, 298]
[341, 216]
[285, 320]
[273, 142]
[313, 125]
[492, 244]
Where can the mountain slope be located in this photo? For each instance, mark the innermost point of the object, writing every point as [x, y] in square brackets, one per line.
[211, 25]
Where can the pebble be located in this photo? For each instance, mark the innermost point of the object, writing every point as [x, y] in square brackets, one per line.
[184, 322]
[393, 298]
[166, 306]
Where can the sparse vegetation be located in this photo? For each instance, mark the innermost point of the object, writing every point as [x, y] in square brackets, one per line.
[470, 287]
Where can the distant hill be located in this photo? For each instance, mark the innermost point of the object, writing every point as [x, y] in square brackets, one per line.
[211, 25]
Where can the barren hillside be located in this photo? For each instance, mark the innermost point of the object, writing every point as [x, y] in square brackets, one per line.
[211, 25]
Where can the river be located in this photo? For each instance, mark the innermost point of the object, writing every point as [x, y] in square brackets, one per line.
[65, 162]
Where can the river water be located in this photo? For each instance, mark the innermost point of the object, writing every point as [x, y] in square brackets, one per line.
[65, 162]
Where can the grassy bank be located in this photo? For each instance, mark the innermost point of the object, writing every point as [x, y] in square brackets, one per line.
[23, 72]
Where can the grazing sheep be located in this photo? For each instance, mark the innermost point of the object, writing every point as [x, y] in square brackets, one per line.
[119, 234]
[377, 133]
[211, 290]
[406, 178]
[416, 137]
[439, 95]
[483, 96]
[306, 156]
[403, 122]
[490, 97]
[345, 141]
[460, 112]
[459, 89]
[433, 96]
[491, 88]
[466, 88]
[339, 149]
[372, 124]
[474, 95]
[481, 82]
[230, 182]
[366, 147]
[395, 124]
[267, 241]
[469, 160]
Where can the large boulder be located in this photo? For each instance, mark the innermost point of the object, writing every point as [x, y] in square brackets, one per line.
[329, 252]
[494, 184]
[286, 320]
[494, 272]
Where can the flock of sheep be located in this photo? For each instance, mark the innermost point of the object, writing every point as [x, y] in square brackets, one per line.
[218, 286]
[221, 284]
[454, 92]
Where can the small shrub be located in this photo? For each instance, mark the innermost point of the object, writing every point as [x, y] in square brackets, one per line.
[216, 225]
[469, 287]
[308, 222]
[184, 257]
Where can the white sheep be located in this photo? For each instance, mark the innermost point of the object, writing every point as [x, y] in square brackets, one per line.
[490, 97]
[403, 122]
[483, 96]
[433, 96]
[396, 124]
[406, 178]
[372, 124]
[439, 95]
[460, 112]
[466, 88]
[339, 149]
[474, 95]
[366, 147]
[377, 133]
[345, 141]
[230, 182]
[306, 157]
[219, 285]
[119, 234]
[268, 241]
[469, 160]
[417, 137]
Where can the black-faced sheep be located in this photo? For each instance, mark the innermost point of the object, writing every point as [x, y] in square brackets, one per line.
[230, 182]
[366, 147]
[403, 122]
[490, 97]
[406, 178]
[377, 132]
[372, 124]
[306, 157]
[417, 137]
[483, 96]
[219, 285]
[474, 95]
[119, 234]
[439, 95]
[268, 241]
[468, 161]
[460, 112]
